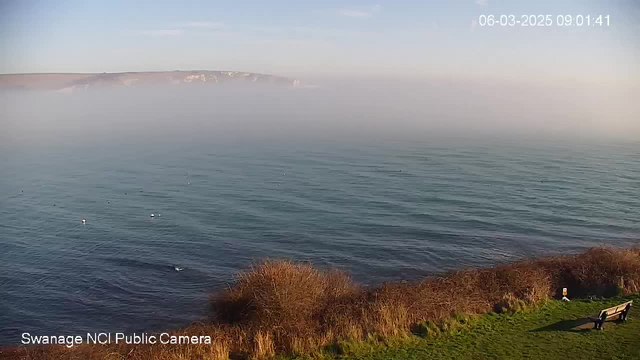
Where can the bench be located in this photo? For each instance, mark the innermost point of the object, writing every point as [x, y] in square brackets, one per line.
[621, 311]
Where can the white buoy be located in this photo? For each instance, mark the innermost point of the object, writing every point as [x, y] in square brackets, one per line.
[176, 268]
[84, 221]
[152, 215]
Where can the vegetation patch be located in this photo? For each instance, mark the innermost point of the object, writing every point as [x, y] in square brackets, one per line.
[282, 308]
[555, 330]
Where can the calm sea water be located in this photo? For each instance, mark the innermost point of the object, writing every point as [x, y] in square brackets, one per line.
[380, 210]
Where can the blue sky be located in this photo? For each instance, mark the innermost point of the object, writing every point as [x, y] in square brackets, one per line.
[363, 38]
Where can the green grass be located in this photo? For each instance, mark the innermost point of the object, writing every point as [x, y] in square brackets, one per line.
[548, 332]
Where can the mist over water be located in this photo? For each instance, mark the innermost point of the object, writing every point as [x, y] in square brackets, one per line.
[387, 181]
[357, 109]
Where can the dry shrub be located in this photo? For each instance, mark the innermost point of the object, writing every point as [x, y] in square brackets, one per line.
[282, 300]
[284, 307]
[597, 271]
[523, 280]
[305, 308]
[263, 346]
[279, 290]
[509, 303]
[386, 319]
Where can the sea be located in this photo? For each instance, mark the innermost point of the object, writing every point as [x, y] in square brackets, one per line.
[168, 224]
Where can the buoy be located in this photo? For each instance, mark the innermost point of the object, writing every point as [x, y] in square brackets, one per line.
[152, 215]
[84, 221]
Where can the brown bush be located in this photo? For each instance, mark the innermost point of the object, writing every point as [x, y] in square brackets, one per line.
[597, 271]
[282, 301]
[285, 307]
[305, 308]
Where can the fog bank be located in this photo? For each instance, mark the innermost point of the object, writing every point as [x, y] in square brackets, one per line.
[333, 109]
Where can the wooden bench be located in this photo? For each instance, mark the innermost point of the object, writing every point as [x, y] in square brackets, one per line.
[621, 311]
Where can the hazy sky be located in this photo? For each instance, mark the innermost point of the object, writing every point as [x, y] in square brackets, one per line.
[304, 38]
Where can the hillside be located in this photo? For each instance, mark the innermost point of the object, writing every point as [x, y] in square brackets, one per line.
[555, 330]
[284, 309]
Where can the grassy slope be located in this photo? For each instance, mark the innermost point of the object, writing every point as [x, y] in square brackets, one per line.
[546, 333]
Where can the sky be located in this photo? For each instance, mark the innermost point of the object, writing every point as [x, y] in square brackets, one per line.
[395, 39]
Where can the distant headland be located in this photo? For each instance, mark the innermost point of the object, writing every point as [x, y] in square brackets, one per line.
[68, 82]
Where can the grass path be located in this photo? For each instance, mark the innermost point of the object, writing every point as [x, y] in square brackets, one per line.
[550, 332]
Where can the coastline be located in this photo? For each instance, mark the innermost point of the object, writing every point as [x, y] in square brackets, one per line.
[283, 308]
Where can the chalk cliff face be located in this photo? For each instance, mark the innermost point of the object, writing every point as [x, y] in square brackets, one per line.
[74, 82]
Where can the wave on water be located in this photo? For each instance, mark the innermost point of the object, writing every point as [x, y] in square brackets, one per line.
[381, 212]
